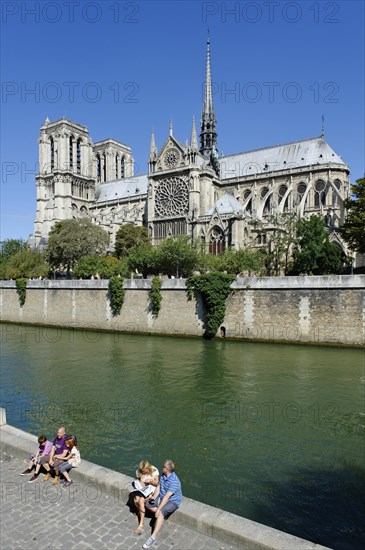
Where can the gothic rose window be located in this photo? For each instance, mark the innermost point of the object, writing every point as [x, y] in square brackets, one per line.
[171, 158]
[172, 197]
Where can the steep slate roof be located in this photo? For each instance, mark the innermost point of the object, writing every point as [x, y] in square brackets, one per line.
[278, 157]
[227, 204]
[122, 189]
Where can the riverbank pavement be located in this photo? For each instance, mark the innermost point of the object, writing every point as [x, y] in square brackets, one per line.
[92, 512]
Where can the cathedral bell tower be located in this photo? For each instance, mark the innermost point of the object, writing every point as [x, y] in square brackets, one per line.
[208, 121]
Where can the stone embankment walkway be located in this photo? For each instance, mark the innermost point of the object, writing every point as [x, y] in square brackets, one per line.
[84, 515]
[93, 512]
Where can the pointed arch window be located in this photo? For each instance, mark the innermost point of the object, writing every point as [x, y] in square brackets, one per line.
[78, 156]
[320, 193]
[216, 241]
[52, 154]
[337, 184]
[282, 190]
[122, 168]
[116, 166]
[98, 167]
[245, 197]
[104, 167]
[71, 152]
[267, 207]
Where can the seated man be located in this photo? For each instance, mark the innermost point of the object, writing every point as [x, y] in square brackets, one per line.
[165, 500]
[59, 450]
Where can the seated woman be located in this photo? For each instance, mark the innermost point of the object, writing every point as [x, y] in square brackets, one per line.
[143, 487]
[39, 458]
[71, 460]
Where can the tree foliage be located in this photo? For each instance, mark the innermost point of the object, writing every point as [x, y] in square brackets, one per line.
[71, 240]
[353, 230]
[8, 248]
[142, 259]
[280, 232]
[25, 263]
[176, 257]
[314, 254]
[102, 267]
[128, 237]
[214, 289]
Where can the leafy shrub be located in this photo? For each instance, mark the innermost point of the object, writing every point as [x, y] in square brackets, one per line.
[116, 294]
[155, 297]
[21, 288]
[214, 289]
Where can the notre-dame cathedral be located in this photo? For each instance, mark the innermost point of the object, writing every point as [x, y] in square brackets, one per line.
[221, 201]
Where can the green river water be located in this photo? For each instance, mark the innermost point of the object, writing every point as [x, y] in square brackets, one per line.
[274, 433]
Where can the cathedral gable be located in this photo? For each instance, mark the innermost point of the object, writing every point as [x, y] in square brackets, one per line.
[171, 156]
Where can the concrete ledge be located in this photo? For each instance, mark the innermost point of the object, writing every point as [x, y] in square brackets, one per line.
[229, 528]
[316, 282]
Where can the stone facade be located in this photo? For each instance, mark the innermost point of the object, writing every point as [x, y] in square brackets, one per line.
[223, 202]
[322, 310]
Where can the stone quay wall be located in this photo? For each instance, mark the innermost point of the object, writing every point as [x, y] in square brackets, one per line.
[328, 310]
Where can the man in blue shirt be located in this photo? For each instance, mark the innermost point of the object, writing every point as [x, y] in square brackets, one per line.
[165, 500]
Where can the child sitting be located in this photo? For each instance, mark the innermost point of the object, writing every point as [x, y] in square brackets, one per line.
[39, 458]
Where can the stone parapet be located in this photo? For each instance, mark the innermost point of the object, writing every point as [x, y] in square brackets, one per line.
[327, 310]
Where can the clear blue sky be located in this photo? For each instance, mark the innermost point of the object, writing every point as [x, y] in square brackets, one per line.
[135, 65]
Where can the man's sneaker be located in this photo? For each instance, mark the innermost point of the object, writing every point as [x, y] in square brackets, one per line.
[27, 472]
[68, 483]
[34, 478]
[149, 542]
[62, 482]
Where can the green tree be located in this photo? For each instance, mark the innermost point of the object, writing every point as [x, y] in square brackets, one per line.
[142, 259]
[96, 266]
[26, 263]
[71, 240]
[280, 232]
[314, 254]
[128, 237]
[8, 248]
[176, 256]
[353, 230]
[242, 260]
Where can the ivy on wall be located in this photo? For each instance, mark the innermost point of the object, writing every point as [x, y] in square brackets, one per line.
[155, 296]
[116, 294]
[214, 288]
[21, 288]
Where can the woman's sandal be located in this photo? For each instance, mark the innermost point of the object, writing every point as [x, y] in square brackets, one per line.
[139, 530]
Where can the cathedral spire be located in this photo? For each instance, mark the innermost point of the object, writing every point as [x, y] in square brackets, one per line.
[193, 141]
[322, 134]
[153, 154]
[208, 122]
[153, 148]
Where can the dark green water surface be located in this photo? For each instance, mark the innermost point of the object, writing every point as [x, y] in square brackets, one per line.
[274, 433]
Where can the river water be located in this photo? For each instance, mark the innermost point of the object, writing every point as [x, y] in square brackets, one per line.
[274, 433]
